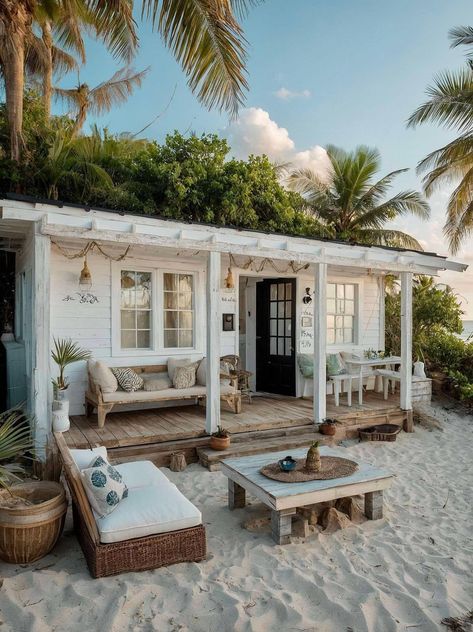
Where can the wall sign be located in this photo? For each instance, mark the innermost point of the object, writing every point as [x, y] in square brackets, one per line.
[228, 323]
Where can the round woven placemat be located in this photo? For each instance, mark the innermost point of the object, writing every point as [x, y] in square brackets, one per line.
[331, 467]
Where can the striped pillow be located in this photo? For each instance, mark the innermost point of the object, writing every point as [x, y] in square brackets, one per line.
[128, 379]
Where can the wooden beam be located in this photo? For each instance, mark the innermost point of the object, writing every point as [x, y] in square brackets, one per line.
[42, 395]
[406, 340]
[320, 341]
[212, 419]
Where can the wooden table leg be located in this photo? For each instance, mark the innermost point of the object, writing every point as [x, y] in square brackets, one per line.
[236, 495]
[374, 505]
[281, 525]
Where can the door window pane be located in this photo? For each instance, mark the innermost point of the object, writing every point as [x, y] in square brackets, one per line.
[178, 305]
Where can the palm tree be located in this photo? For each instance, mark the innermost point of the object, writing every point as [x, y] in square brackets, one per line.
[203, 35]
[450, 103]
[351, 205]
[102, 98]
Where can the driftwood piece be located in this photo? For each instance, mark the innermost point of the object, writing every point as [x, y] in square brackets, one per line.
[178, 462]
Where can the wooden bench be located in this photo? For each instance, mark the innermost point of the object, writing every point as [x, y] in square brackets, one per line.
[105, 402]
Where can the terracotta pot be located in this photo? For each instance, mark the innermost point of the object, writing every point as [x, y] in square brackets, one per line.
[219, 443]
[328, 429]
[29, 532]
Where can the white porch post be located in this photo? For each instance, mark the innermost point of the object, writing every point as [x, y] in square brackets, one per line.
[406, 346]
[320, 341]
[41, 347]
[212, 419]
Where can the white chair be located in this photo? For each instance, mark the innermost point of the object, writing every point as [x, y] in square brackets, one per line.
[339, 382]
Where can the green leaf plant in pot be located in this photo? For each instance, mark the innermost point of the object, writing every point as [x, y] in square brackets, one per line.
[328, 427]
[220, 440]
[64, 353]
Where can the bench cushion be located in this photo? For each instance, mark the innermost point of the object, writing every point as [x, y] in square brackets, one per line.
[141, 474]
[148, 511]
[166, 394]
[83, 458]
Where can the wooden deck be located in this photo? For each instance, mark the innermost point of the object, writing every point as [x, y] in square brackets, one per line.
[184, 423]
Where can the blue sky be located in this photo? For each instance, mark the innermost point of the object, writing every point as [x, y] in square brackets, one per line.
[350, 71]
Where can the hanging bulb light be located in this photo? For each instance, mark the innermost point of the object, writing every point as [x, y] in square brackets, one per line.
[85, 279]
[229, 283]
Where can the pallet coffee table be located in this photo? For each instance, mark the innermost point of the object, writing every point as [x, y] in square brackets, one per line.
[283, 498]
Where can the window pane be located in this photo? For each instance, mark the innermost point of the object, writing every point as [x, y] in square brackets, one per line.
[170, 281]
[331, 290]
[143, 289]
[280, 346]
[280, 328]
[348, 335]
[288, 291]
[170, 300]
[281, 291]
[288, 329]
[185, 283]
[349, 307]
[339, 336]
[330, 336]
[273, 310]
[340, 306]
[170, 320]
[143, 339]
[340, 291]
[273, 292]
[185, 301]
[273, 327]
[272, 346]
[128, 319]
[143, 320]
[350, 292]
[348, 322]
[331, 322]
[331, 306]
[288, 347]
[128, 340]
[338, 322]
[185, 320]
[127, 298]
[185, 338]
[170, 338]
[288, 309]
[281, 309]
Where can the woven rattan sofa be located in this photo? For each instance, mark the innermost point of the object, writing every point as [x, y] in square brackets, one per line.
[152, 488]
[104, 402]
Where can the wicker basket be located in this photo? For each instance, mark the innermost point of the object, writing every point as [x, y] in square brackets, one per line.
[27, 533]
[383, 432]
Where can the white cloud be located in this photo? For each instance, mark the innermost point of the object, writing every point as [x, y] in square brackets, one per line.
[287, 95]
[254, 132]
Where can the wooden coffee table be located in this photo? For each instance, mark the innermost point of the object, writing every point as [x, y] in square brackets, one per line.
[283, 498]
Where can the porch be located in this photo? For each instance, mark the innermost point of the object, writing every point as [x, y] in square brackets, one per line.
[270, 419]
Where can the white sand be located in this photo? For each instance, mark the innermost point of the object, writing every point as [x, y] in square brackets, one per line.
[405, 572]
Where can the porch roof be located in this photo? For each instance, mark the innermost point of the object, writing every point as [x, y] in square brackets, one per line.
[60, 220]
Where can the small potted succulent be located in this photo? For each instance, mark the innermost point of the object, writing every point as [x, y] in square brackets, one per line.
[328, 427]
[220, 440]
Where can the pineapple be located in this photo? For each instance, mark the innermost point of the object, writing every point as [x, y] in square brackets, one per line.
[312, 462]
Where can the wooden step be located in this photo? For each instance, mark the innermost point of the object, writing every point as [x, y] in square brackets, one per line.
[211, 458]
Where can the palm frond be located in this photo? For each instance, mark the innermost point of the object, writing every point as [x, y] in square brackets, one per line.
[403, 203]
[206, 39]
[450, 102]
[115, 25]
[70, 96]
[306, 182]
[387, 237]
[115, 90]
[379, 189]
[461, 36]
[15, 439]
[458, 227]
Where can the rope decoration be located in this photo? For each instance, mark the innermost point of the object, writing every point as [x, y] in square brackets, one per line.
[252, 264]
[90, 247]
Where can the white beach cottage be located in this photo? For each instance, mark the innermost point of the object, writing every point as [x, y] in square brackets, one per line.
[161, 289]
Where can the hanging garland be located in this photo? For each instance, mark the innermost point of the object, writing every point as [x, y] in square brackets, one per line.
[90, 247]
[251, 262]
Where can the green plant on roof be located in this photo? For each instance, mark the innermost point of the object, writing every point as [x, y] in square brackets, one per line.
[66, 352]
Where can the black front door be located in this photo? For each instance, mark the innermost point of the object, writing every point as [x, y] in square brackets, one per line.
[275, 336]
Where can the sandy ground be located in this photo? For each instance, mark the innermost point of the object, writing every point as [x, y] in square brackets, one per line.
[405, 572]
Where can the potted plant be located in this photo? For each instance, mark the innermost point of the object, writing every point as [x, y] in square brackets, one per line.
[31, 513]
[328, 427]
[220, 440]
[65, 352]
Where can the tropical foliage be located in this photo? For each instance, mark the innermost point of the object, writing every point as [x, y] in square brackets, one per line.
[15, 440]
[66, 352]
[353, 205]
[450, 103]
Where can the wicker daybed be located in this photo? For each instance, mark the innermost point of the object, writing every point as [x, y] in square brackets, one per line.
[134, 554]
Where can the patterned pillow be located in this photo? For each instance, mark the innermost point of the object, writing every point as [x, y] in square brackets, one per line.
[128, 379]
[335, 364]
[184, 376]
[104, 487]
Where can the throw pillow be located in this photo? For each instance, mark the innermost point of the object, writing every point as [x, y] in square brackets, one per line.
[156, 381]
[104, 487]
[82, 457]
[174, 363]
[128, 379]
[103, 377]
[306, 364]
[335, 364]
[184, 376]
[201, 375]
[98, 461]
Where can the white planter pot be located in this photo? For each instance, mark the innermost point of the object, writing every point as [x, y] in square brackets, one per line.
[61, 422]
[419, 369]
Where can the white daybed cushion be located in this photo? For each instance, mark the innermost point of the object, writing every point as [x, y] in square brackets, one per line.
[142, 474]
[102, 375]
[148, 511]
[83, 458]
[167, 394]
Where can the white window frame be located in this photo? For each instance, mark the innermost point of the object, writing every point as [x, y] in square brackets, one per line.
[157, 269]
[358, 285]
